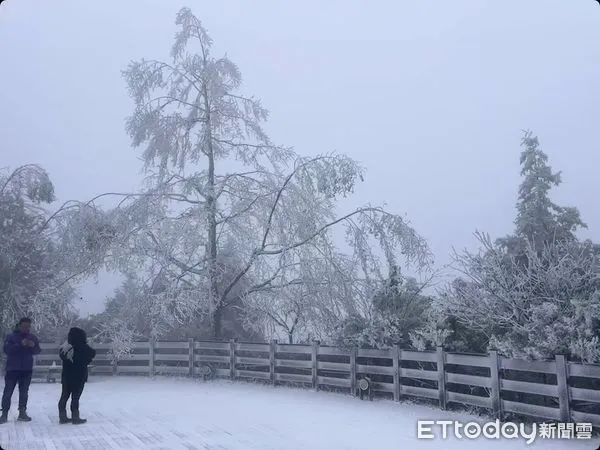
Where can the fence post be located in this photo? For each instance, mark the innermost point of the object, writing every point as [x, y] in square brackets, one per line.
[151, 358]
[441, 377]
[272, 355]
[353, 355]
[495, 384]
[396, 355]
[562, 381]
[315, 365]
[192, 358]
[232, 358]
[115, 367]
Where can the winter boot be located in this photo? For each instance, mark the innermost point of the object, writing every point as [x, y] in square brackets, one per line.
[4, 417]
[62, 417]
[23, 417]
[76, 419]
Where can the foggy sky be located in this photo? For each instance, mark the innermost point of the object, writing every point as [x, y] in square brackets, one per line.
[430, 96]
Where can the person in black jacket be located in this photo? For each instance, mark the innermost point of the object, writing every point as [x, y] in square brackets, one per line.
[75, 354]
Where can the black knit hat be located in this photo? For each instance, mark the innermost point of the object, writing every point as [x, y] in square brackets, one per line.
[77, 336]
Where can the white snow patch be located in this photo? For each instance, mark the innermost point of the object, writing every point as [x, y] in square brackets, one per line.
[164, 413]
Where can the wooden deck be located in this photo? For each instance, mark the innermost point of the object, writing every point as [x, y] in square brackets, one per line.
[171, 414]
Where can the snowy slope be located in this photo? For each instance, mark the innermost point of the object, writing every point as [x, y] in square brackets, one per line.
[141, 413]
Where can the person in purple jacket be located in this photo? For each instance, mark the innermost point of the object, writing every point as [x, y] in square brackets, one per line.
[19, 346]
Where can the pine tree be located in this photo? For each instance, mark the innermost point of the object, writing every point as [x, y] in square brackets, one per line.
[539, 220]
[527, 294]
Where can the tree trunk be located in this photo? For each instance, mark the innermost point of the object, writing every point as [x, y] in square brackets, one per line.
[217, 323]
[211, 206]
[290, 337]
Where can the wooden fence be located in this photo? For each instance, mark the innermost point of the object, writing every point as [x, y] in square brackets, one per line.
[556, 390]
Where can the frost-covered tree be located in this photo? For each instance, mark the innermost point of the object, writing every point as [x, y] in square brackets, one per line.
[548, 307]
[143, 307]
[218, 185]
[539, 220]
[533, 294]
[319, 288]
[44, 253]
[33, 274]
[129, 315]
[399, 309]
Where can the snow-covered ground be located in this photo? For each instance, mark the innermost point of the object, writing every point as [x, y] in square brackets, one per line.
[171, 414]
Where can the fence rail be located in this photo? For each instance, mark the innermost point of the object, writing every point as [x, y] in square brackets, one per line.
[556, 390]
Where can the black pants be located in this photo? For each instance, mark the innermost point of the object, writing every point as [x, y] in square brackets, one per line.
[11, 379]
[73, 389]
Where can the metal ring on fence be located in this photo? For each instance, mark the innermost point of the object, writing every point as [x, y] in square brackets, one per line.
[205, 370]
[363, 384]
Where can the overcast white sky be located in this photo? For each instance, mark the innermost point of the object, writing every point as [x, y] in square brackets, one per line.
[429, 95]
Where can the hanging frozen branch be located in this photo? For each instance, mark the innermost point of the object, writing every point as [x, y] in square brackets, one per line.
[236, 234]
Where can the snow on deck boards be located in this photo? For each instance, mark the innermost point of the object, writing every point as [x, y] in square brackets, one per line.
[172, 414]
